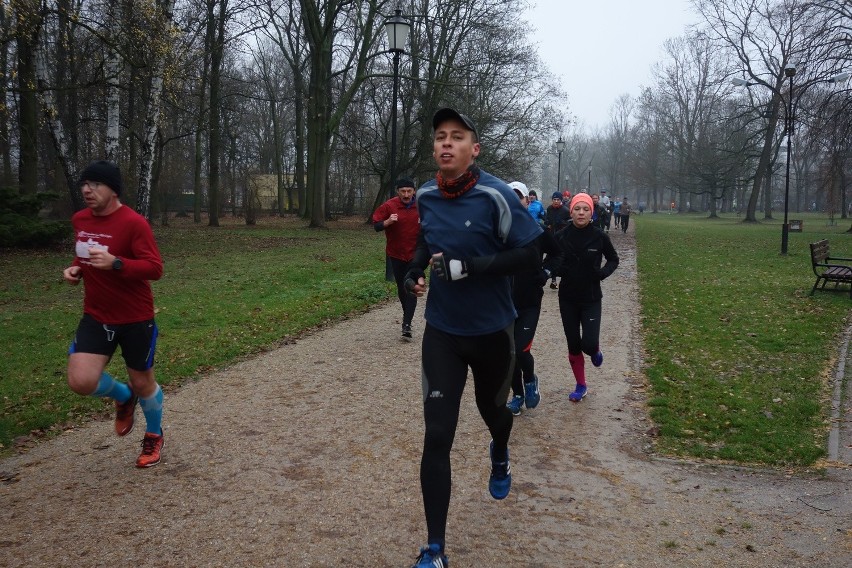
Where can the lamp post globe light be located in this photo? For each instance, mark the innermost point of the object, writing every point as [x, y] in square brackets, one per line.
[560, 147]
[397, 29]
[840, 78]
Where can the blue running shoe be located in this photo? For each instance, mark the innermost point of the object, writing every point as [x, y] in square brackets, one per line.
[431, 557]
[501, 475]
[578, 394]
[531, 395]
[515, 404]
[597, 359]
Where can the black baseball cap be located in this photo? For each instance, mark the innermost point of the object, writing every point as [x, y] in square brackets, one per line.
[444, 114]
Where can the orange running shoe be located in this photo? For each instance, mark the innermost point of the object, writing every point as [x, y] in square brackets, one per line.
[124, 412]
[151, 446]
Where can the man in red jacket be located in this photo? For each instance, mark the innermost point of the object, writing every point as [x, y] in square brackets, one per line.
[399, 219]
[116, 257]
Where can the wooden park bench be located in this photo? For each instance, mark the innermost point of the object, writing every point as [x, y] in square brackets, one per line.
[828, 268]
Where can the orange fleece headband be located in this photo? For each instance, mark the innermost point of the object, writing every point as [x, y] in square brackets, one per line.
[585, 198]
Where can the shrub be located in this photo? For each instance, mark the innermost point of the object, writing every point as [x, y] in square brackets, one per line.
[20, 225]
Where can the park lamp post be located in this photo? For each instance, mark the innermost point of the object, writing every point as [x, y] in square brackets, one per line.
[789, 71]
[590, 178]
[560, 147]
[397, 29]
[789, 127]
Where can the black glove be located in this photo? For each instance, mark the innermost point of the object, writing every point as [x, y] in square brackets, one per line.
[411, 278]
[448, 268]
[542, 277]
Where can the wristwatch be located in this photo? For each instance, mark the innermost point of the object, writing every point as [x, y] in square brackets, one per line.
[117, 264]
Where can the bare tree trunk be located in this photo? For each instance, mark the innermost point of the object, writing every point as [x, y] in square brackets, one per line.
[112, 70]
[318, 135]
[29, 22]
[57, 133]
[199, 139]
[214, 150]
[299, 148]
[6, 179]
[230, 165]
[197, 190]
[152, 119]
[276, 163]
[250, 200]
[711, 198]
[156, 176]
[765, 155]
[767, 193]
[136, 124]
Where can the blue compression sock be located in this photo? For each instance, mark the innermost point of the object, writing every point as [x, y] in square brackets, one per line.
[152, 408]
[108, 387]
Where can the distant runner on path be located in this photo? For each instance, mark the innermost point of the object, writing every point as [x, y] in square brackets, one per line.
[527, 294]
[399, 219]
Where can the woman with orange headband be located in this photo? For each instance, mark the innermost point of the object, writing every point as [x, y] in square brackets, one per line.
[582, 248]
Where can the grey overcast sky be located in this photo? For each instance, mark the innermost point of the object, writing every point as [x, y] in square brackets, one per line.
[602, 49]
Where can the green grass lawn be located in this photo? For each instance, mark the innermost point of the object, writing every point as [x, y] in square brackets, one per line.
[226, 292]
[738, 354]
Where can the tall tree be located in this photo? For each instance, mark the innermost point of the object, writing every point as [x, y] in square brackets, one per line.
[691, 86]
[285, 28]
[648, 153]
[29, 19]
[616, 144]
[216, 22]
[162, 20]
[765, 37]
[113, 76]
[331, 90]
[6, 178]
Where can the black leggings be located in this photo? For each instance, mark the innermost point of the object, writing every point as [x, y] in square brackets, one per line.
[577, 316]
[525, 326]
[408, 301]
[446, 359]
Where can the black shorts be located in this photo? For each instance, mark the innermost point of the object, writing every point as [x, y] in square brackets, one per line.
[138, 341]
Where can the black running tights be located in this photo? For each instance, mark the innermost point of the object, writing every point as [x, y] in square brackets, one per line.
[581, 323]
[408, 301]
[525, 326]
[446, 359]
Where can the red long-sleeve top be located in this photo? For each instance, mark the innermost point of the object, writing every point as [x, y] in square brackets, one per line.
[117, 296]
[402, 235]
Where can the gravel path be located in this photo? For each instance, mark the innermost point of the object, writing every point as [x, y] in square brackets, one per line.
[308, 455]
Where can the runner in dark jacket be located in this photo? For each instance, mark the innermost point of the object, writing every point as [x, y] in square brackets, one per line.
[527, 294]
[556, 218]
